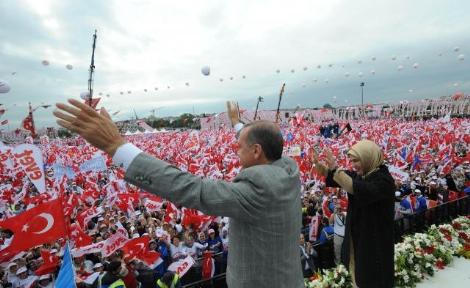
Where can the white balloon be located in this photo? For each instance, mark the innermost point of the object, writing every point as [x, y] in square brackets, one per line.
[278, 71]
[206, 70]
[221, 80]
[440, 54]
[121, 93]
[461, 57]
[45, 62]
[400, 67]
[156, 88]
[231, 78]
[411, 90]
[326, 81]
[372, 72]
[373, 58]
[85, 95]
[243, 76]
[303, 85]
[456, 84]
[334, 97]
[100, 93]
[69, 67]
[168, 87]
[305, 68]
[456, 49]
[292, 71]
[416, 65]
[4, 87]
[145, 90]
[107, 95]
[187, 83]
[315, 80]
[346, 74]
[394, 58]
[319, 66]
[129, 92]
[359, 61]
[360, 74]
[330, 65]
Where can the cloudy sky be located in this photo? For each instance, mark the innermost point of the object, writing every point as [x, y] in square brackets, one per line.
[328, 45]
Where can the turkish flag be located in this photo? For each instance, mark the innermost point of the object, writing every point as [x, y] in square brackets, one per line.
[49, 265]
[79, 237]
[139, 248]
[27, 124]
[42, 224]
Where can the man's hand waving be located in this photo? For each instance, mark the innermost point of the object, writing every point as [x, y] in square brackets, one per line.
[97, 128]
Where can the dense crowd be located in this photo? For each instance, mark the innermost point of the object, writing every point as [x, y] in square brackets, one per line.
[430, 159]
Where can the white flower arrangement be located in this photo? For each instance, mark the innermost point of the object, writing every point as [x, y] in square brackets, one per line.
[416, 257]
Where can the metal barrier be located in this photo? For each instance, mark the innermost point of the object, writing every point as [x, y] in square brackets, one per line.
[413, 223]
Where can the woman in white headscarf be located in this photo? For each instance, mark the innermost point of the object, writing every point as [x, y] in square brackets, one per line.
[368, 245]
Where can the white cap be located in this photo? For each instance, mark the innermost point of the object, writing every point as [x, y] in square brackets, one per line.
[101, 219]
[397, 193]
[432, 183]
[44, 277]
[12, 264]
[417, 191]
[21, 270]
[135, 235]
[54, 250]
[97, 265]
[211, 231]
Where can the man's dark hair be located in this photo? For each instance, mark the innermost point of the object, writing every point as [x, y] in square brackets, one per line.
[268, 135]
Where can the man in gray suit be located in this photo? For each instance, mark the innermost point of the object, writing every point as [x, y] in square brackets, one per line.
[263, 201]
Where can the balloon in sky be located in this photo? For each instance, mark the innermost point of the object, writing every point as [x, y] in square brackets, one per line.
[129, 92]
[360, 74]
[145, 90]
[107, 95]
[319, 66]
[373, 58]
[372, 72]
[330, 65]
[303, 85]
[305, 68]
[45, 62]
[4, 87]
[243, 76]
[394, 58]
[187, 83]
[315, 80]
[85, 95]
[400, 67]
[359, 61]
[278, 71]
[100, 93]
[69, 67]
[206, 70]
[456, 84]
[326, 81]
[346, 74]
[168, 87]
[461, 57]
[411, 90]
[231, 78]
[156, 88]
[456, 49]
[292, 71]
[221, 80]
[416, 65]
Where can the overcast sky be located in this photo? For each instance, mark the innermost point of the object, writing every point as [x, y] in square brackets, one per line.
[160, 44]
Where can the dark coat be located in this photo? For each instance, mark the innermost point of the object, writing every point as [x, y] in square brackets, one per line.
[369, 224]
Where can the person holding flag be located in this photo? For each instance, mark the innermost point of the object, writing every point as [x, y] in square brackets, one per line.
[368, 246]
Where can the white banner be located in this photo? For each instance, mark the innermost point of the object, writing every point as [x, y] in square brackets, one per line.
[397, 174]
[95, 164]
[4, 158]
[30, 159]
[92, 248]
[182, 266]
[114, 242]
[153, 206]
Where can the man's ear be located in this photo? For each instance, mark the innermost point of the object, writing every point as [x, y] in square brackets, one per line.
[258, 151]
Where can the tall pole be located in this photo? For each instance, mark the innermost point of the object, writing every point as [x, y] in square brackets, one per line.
[362, 99]
[33, 133]
[92, 70]
[279, 103]
[260, 99]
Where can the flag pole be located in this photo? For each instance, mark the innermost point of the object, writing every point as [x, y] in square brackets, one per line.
[279, 103]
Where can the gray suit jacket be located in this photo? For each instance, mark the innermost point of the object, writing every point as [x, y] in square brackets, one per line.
[264, 207]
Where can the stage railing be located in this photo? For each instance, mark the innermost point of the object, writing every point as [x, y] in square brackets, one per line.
[409, 224]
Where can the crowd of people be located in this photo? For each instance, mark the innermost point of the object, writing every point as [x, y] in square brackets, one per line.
[430, 161]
